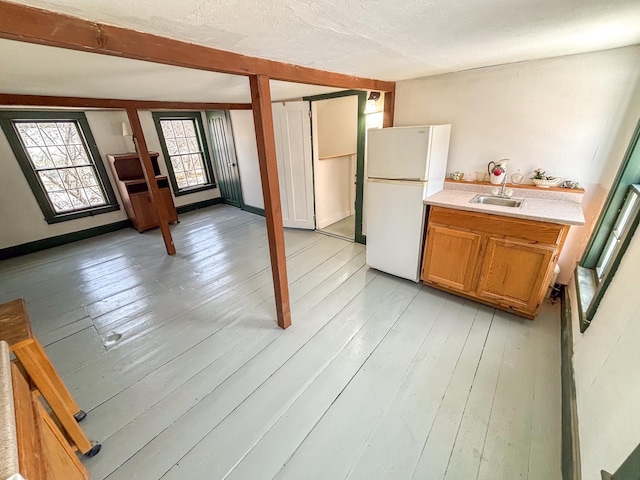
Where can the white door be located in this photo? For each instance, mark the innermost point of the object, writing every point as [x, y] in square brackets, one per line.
[292, 128]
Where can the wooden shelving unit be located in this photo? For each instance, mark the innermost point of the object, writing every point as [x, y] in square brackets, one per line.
[127, 170]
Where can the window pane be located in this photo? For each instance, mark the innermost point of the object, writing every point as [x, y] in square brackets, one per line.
[77, 155]
[87, 176]
[192, 145]
[189, 128]
[50, 134]
[167, 129]
[51, 181]
[177, 164]
[95, 196]
[620, 230]
[172, 146]
[61, 202]
[30, 134]
[40, 157]
[78, 198]
[69, 133]
[181, 180]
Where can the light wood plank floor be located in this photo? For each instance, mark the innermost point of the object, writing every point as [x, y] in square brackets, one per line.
[345, 228]
[377, 378]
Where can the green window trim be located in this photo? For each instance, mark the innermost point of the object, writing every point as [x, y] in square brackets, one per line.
[204, 150]
[590, 288]
[7, 119]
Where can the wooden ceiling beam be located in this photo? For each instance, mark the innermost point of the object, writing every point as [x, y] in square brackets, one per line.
[34, 25]
[10, 99]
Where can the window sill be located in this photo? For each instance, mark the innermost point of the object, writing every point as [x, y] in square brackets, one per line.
[188, 191]
[81, 214]
[586, 287]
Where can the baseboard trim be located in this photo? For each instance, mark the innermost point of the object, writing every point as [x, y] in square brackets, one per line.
[256, 210]
[570, 440]
[198, 205]
[45, 243]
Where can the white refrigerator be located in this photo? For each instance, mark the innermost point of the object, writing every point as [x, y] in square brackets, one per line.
[404, 166]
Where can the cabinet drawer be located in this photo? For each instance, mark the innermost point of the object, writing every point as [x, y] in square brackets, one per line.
[508, 227]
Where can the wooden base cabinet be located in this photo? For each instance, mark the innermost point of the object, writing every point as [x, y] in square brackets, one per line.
[132, 186]
[501, 261]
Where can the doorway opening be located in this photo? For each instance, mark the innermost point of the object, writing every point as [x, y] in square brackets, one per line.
[337, 131]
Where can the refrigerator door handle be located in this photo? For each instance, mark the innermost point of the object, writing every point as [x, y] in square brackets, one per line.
[398, 181]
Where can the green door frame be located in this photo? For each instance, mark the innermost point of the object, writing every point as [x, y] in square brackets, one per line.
[360, 143]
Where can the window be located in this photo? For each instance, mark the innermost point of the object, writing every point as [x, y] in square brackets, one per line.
[185, 151]
[57, 154]
[614, 230]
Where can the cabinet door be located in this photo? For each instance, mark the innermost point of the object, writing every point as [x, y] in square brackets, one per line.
[451, 257]
[513, 273]
[145, 215]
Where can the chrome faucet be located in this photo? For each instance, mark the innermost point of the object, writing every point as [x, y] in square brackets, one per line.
[504, 182]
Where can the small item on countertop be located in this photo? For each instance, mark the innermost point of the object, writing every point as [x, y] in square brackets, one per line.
[497, 171]
[481, 176]
[517, 178]
[469, 177]
[508, 192]
[456, 175]
[541, 179]
[495, 191]
[569, 184]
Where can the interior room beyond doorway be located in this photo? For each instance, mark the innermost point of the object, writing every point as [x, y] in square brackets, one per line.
[335, 135]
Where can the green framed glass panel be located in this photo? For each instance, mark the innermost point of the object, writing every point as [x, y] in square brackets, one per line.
[60, 160]
[185, 151]
[611, 236]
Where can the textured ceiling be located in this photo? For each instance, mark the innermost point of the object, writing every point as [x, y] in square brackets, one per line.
[381, 39]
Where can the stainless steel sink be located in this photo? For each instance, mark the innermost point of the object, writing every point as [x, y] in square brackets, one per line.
[500, 201]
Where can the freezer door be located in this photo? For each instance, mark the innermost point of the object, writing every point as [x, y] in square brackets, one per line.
[395, 227]
[400, 152]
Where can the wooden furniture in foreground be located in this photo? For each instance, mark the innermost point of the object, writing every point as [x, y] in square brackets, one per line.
[15, 329]
[31, 443]
[129, 176]
[501, 261]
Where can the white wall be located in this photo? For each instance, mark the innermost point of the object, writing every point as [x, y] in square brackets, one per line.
[335, 126]
[606, 360]
[22, 221]
[567, 115]
[244, 136]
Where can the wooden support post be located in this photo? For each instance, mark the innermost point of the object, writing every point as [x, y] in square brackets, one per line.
[265, 138]
[389, 101]
[150, 177]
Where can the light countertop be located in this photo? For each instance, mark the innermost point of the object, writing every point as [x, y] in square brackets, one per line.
[535, 207]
